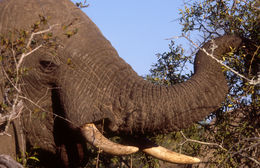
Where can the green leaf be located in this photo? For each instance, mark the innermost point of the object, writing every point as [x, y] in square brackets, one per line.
[33, 158]
[69, 61]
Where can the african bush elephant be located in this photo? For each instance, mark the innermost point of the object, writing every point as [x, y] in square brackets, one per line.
[85, 83]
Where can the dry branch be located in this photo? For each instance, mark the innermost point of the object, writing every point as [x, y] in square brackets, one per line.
[17, 104]
[200, 142]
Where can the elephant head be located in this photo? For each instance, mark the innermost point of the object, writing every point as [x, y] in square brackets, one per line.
[84, 82]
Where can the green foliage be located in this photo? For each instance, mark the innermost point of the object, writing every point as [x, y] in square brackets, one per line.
[217, 17]
[30, 159]
[170, 66]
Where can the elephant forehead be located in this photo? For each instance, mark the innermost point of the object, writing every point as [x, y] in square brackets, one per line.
[23, 13]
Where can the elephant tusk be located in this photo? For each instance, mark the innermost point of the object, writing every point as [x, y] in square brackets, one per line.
[95, 138]
[162, 153]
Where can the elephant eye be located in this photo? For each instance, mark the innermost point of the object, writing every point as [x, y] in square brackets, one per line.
[48, 66]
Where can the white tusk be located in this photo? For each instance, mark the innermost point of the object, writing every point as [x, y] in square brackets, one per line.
[95, 138]
[162, 153]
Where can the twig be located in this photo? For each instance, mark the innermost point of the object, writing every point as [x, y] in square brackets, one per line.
[17, 105]
[253, 6]
[38, 106]
[14, 85]
[201, 142]
[251, 62]
[39, 32]
[22, 140]
[214, 46]
[15, 113]
[131, 161]
[29, 43]
[244, 149]
[99, 150]
[25, 55]
[253, 159]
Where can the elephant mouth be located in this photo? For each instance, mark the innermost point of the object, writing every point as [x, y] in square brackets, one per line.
[95, 138]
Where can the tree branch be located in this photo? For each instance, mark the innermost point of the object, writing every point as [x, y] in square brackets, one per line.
[17, 104]
[29, 43]
[214, 46]
[200, 142]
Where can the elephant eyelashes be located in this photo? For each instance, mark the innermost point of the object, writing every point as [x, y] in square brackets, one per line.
[48, 66]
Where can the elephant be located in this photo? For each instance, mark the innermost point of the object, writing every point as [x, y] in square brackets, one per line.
[69, 94]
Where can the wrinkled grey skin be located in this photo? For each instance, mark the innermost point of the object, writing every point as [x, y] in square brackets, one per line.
[98, 85]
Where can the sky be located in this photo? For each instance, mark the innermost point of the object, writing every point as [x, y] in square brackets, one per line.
[138, 29]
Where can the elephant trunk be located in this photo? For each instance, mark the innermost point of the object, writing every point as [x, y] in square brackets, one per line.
[140, 106]
[168, 108]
